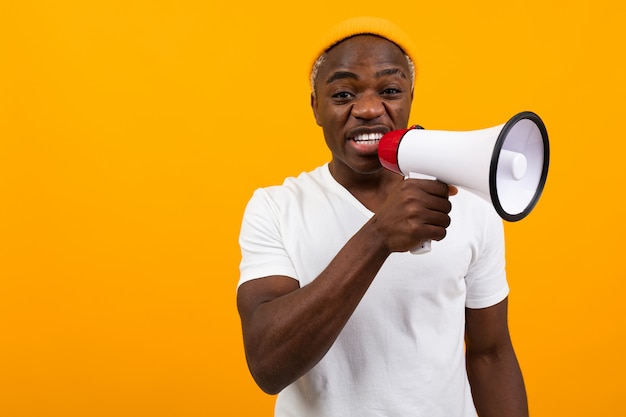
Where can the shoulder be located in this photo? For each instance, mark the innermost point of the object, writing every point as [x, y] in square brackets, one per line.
[305, 180]
[306, 184]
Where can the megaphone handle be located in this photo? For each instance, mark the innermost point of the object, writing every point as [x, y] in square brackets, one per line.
[425, 246]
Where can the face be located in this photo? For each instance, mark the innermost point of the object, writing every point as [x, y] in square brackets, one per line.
[363, 90]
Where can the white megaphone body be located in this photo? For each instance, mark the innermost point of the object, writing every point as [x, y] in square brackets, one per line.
[507, 164]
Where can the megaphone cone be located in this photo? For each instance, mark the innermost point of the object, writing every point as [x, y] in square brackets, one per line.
[506, 164]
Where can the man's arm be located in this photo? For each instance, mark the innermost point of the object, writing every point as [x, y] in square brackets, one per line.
[288, 329]
[494, 373]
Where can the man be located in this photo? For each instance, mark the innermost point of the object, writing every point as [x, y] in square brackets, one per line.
[337, 316]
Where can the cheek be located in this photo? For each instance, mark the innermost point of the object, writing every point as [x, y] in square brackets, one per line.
[401, 112]
[332, 115]
[330, 141]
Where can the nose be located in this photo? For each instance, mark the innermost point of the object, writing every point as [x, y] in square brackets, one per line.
[368, 106]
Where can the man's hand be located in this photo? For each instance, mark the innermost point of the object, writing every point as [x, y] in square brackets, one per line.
[415, 211]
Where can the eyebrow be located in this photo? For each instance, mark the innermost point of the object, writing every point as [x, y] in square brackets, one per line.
[340, 75]
[390, 71]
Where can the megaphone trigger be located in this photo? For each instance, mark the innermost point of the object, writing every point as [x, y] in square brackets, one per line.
[416, 175]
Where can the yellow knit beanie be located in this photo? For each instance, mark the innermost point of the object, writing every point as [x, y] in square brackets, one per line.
[361, 26]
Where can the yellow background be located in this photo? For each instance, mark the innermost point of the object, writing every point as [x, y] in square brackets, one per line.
[132, 134]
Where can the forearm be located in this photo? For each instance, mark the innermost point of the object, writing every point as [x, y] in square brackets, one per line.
[287, 335]
[497, 384]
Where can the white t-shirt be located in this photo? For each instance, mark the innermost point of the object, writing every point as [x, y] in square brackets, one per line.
[402, 351]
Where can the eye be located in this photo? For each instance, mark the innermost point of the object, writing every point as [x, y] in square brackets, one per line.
[343, 95]
[390, 91]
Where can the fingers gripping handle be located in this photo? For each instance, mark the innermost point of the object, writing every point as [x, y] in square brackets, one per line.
[425, 246]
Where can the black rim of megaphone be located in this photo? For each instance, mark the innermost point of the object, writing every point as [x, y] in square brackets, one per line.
[494, 166]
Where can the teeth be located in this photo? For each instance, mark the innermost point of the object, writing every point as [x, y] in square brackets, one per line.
[368, 137]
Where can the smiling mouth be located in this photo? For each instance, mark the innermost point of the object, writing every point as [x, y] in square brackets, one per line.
[368, 138]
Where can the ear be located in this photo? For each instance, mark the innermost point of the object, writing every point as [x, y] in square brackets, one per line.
[314, 108]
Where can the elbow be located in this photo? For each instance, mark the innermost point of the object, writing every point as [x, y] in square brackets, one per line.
[268, 383]
[269, 387]
[267, 377]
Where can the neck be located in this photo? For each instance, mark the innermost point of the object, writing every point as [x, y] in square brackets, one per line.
[371, 189]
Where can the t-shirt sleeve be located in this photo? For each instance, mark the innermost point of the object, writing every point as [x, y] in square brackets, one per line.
[263, 251]
[486, 281]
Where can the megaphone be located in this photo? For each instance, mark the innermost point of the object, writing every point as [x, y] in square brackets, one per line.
[507, 165]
